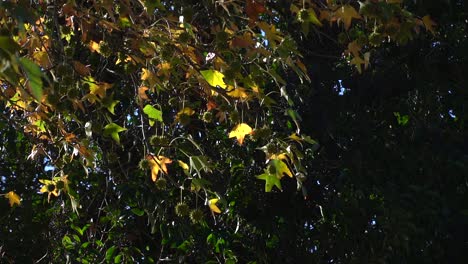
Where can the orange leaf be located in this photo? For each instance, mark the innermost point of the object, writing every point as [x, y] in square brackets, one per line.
[157, 164]
[142, 93]
[211, 105]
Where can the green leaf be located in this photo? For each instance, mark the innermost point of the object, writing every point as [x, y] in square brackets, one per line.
[153, 114]
[110, 253]
[214, 78]
[138, 211]
[199, 163]
[113, 131]
[280, 168]
[110, 103]
[33, 73]
[67, 242]
[270, 181]
[8, 45]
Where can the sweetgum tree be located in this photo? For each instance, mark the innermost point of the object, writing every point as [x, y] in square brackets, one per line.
[231, 131]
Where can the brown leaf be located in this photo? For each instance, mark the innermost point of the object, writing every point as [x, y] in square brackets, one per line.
[253, 9]
[81, 69]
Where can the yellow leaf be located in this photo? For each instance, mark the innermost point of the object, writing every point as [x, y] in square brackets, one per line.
[346, 13]
[186, 111]
[149, 76]
[213, 207]
[157, 164]
[164, 69]
[94, 46]
[183, 165]
[214, 78]
[49, 187]
[429, 23]
[238, 92]
[42, 58]
[240, 131]
[14, 198]
[295, 137]
[146, 74]
[281, 156]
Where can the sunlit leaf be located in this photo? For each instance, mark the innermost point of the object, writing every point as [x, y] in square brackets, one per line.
[213, 207]
[13, 198]
[238, 92]
[214, 78]
[153, 114]
[240, 131]
[183, 165]
[157, 164]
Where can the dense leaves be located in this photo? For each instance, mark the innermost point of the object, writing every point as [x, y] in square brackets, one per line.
[233, 131]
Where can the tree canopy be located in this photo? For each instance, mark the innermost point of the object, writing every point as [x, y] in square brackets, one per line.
[233, 131]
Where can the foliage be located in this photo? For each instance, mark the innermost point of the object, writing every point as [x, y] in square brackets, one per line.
[149, 131]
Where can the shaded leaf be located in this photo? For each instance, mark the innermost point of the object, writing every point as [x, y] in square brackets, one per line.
[113, 131]
[33, 73]
[280, 168]
[199, 163]
[270, 181]
[345, 14]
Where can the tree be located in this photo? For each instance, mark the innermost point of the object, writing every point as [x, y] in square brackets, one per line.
[213, 131]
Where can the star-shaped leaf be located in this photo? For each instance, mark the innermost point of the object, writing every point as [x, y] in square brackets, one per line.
[153, 114]
[113, 131]
[346, 13]
[213, 207]
[110, 104]
[240, 131]
[238, 92]
[214, 78]
[14, 198]
[270, 181]
[157, 164]
[279, 168]
[429, 23]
